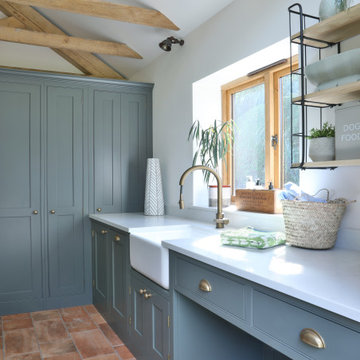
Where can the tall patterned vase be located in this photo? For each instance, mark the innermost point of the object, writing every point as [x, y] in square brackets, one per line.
[154, 198]
[329, 8]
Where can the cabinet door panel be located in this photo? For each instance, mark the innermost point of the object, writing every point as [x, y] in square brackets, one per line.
[159, 311]
[107, 151]
[139, 327]
[135, 149]
[20, 241]
[101, 281]
[120, 294]
[65, 191]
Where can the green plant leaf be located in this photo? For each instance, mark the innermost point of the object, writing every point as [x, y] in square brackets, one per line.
[212, 144]
[327, 130]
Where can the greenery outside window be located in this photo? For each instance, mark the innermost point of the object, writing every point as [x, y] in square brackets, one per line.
[260, 106]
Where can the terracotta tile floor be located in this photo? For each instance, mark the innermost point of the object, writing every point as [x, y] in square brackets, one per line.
[66, 334]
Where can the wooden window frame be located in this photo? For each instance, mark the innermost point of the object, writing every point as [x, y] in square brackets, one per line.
[273, 156]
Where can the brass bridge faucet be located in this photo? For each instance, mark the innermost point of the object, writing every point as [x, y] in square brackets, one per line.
[220, 220]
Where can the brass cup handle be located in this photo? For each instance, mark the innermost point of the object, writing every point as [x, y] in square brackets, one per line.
[205, 286]
[142, 291]
[35, 212]
[312, 338]
[99, 209]
[147, 296]
[117, 238]
[52, 212]
[103, 232]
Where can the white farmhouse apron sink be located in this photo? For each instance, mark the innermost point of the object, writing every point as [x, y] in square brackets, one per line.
[150, 258]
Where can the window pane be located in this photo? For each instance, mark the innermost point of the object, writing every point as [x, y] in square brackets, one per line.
[285, 113]
[249, 132]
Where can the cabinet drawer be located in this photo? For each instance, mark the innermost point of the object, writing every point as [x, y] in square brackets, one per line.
[284, 322]
[226, 297]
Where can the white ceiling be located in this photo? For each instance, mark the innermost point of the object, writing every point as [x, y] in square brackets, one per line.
[186, 14]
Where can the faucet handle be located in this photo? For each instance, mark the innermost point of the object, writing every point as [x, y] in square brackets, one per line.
[220, 223]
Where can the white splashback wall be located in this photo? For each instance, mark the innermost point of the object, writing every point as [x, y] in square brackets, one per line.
[241, 29]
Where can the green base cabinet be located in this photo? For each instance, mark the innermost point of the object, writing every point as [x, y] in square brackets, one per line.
[150, 319]
[137, 309]
[232, 318]
[267, 324]
[111, 277]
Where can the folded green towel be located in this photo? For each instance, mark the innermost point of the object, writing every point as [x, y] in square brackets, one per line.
[251, 238]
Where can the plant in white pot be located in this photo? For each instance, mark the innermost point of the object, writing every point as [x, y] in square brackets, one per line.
[212, 145]
[322, 143]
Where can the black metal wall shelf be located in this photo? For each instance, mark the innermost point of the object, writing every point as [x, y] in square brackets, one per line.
[318, 36]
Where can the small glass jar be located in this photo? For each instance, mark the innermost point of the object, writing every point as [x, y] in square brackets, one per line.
[226, 195]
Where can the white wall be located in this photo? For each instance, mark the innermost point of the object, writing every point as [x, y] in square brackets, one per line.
[241, 29]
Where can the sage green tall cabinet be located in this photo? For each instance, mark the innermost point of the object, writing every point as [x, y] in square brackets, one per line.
[69, 146]
[20, 197]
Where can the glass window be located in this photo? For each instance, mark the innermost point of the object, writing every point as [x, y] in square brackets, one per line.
[248, 107]
[260, 106]
[285, 120]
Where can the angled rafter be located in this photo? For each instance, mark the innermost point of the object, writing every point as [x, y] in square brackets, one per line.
[12, 22]
[87, 63]
[131, 14]
[65, 42]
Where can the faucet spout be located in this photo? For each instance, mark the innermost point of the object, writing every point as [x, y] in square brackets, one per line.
[220, 220]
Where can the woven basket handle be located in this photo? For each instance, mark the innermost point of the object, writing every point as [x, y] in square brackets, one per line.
[327, 193]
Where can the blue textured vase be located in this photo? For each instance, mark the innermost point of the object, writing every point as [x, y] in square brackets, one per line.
[330, 8]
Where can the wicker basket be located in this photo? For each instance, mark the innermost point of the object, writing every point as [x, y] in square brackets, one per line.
[312, 225]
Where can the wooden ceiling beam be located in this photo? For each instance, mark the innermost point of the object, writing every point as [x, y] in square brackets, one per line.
[107, 10]
[12, 22]
[65, 42]
[86, 62]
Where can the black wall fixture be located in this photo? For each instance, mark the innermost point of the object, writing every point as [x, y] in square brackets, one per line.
[168, 42]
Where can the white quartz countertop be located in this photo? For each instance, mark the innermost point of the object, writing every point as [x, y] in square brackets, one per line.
[329, 279]
[129, 222]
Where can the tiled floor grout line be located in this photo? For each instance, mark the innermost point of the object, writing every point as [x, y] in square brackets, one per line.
[69, 333]
[99, 328]
[37, 338]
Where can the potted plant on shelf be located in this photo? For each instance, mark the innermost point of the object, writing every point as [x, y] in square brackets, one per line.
[212, 145]
[322, 143]
[330, 8]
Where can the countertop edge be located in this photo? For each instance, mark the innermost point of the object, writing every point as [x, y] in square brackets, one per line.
[336, 308]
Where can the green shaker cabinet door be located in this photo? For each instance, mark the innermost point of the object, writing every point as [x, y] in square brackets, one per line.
[139, 332]
[107, 184]
[64, 150]
[119, 244]
[101, 266]
[159, 339]
[20, 239]
[150, 331]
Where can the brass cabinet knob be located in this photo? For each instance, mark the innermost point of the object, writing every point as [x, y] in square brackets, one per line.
[35, 212]
[147, 296]
[312, 338]
[117, 238]
[103, 232]
[52, 212]
[99, 209]
[205, 286]
[142, 291]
